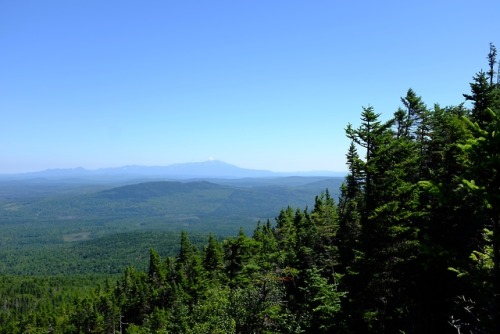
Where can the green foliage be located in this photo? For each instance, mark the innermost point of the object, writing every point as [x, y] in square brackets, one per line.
[213, 313]
[213, 259]
[323, 301]
[36, 304]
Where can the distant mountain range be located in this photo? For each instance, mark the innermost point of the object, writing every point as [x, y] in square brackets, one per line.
[197, 170]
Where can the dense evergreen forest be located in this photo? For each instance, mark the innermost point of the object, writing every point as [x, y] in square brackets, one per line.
[412, 245]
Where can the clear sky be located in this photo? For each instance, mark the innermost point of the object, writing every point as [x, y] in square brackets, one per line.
[260, 84]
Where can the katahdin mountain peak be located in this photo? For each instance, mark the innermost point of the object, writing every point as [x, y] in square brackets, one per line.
[204, 169]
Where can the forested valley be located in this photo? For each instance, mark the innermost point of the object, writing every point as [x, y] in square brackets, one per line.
[412, 245]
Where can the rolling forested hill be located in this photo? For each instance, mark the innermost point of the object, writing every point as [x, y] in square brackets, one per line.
[52, 227]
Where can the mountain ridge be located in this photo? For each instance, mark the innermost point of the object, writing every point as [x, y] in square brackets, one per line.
[204, 169]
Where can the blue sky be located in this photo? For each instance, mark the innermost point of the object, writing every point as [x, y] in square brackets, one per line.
[259, 84]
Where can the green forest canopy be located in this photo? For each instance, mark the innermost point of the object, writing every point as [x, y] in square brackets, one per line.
[411, 246]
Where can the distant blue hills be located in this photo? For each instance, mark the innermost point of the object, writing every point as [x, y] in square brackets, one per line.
[197, 170]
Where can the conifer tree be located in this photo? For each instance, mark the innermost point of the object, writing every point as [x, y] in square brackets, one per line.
[213, 259]
[492, 55]
[446, 216]
[189, 269]
[156, 270]
[484, 160]
[484, 92]
[240, 256]
[349, 211]
[267, 257]
[286, 236]
[388, 218]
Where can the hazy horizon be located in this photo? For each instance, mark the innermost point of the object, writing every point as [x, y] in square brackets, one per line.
[169, 165]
